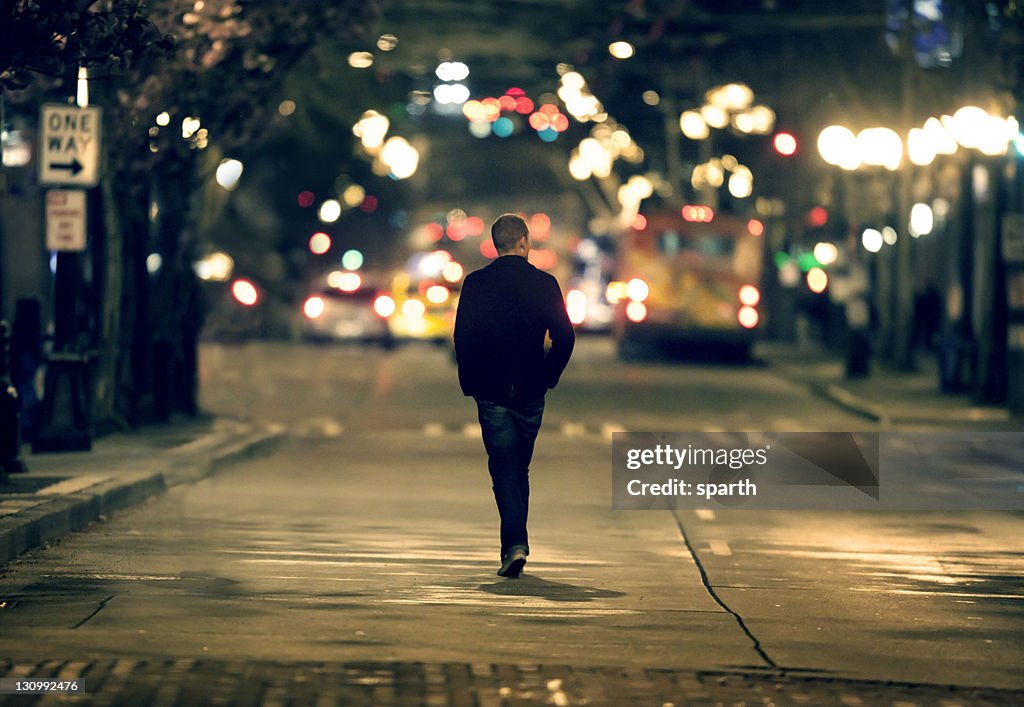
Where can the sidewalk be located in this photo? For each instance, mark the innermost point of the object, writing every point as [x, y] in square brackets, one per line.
[65, 492]
[889, 397]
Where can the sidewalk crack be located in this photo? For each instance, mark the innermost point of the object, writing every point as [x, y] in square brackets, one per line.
[102, 605]
[718, 600]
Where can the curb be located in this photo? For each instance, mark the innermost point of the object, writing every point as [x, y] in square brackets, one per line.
[851, 403]
[57, 516]
[833, 393]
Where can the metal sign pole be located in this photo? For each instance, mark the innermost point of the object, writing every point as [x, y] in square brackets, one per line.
[68, 156]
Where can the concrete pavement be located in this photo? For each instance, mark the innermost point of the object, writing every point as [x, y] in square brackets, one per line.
[382, 592]
[62, 493]
[888, 397]
[581, 606]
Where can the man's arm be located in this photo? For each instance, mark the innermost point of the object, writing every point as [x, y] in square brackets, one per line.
[563, 337]
[465, 338]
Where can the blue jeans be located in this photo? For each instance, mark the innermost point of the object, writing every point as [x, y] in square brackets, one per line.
[509, 434]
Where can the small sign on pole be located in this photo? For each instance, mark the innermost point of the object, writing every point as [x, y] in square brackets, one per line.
[65, 220]
[1013, 238]
[69, 145]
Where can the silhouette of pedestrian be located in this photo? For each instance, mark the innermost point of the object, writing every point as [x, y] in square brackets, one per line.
[505, 311]
[26, 358]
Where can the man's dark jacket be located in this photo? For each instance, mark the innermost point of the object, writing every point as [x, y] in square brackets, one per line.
[504, 312]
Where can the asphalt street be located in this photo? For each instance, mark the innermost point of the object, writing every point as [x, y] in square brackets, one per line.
[371, 535]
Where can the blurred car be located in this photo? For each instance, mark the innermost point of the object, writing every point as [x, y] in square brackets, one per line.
[359, 315]
[424, 310]
[426, 296]
[588, 306]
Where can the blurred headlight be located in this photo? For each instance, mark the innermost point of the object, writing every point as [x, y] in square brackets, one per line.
[384, 306]
[576, 306]
[437, 294]
[615, 292]
[413, 309]
[637, 290]
[314, 307]
[750, 295]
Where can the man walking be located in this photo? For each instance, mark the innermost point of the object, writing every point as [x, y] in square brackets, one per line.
[505, 311]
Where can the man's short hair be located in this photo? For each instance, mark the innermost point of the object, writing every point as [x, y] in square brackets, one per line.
[507, 230]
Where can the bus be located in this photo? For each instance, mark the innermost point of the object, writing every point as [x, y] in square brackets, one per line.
[690, 277]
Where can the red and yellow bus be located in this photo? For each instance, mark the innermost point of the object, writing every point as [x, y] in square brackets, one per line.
[689, 276]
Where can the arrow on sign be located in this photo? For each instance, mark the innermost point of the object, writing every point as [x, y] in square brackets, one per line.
[74, 166]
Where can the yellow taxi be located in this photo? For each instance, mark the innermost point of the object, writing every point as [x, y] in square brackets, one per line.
[426, 295]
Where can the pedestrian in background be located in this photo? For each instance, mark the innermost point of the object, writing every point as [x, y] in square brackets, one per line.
[26, 360]
[505, 312]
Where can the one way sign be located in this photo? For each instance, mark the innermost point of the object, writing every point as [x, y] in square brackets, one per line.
[69, 145]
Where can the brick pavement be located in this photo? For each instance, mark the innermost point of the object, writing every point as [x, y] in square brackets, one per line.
[170, 683]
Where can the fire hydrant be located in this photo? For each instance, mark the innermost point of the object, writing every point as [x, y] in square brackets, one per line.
[10, 408]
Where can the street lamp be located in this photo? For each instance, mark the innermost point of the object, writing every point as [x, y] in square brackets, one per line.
[725, 106]
[969, 127]
[228, 173]
[837, 145]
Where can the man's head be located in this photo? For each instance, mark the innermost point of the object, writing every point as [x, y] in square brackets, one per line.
[511, 236]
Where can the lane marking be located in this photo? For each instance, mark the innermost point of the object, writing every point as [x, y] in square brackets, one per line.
[332, 428]
[705, 514]
[610, 428]
[433, 429]
[720, 548]
[574, 429]
[471, 429]
[314, 427]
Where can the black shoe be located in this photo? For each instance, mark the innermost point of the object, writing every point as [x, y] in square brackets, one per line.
[513, 563]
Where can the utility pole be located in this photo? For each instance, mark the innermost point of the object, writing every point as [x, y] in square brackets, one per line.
[903, 280]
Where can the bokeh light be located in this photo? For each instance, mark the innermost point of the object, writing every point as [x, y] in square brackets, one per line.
[826, 253]
[750, 295]
[785, 144]
[922, 220]
[330, 211]
[621, 50]
[817, 280]
[319, 243]
[228, 173]
[636, 311]
[748, 317]
[314, 307]
[437, 294]
[360, 60]
[349, 282]
[872, 240]
[452, 271]
[245, 292]
[352, 260]
[576, 306]
[637, 290]
[384, 306]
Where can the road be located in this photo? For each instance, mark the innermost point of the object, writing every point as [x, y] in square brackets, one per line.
[370, 535]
